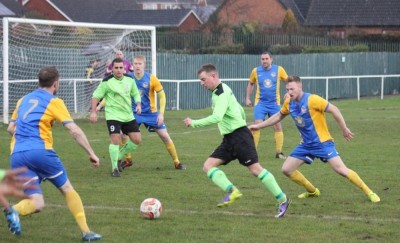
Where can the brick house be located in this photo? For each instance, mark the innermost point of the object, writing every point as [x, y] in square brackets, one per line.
[106, 11]
[269, 14]
[338, 17]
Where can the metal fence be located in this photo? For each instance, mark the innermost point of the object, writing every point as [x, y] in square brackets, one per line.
[372, 70]
[188, 94]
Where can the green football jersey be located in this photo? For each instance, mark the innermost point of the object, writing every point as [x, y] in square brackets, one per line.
[118, 94]
[227, 112]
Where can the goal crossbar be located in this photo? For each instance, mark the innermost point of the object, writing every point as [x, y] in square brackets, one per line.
[29, 42]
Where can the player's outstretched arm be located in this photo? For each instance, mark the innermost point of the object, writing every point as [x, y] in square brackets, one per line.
[277, 117]
[80, 137]
[347, 134]
[93, 111]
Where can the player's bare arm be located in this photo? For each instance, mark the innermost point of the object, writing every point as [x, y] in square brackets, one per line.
[249, 90]
[347, 134]
[160, 119]
[11, 128]
[187, 121]
[93, 112]
[80, 137]
[267, 123]
[138, 108]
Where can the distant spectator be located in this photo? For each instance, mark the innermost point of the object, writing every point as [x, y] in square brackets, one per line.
[127, 64]
[93, 70]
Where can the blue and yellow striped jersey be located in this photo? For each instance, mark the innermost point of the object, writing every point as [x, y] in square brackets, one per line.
[268, 84]
[309, 116]
[148, 85]
[34, 116]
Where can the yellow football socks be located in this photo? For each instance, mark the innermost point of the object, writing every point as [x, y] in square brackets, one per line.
[278, 141]
[299, 178]
[25, 207]
[127, 156]
[172, 151]
[356, 180]
[75, 205]
[129, 147]
[256, 136]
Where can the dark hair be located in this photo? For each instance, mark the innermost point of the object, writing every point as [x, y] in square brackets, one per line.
[47, 76]
[266, 53]
[118, 60]
[293, 79]
[208, 68]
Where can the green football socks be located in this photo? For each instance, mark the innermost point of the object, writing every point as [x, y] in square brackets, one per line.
[113, 150]
[219, 178]
[270, 183]
[128, 147]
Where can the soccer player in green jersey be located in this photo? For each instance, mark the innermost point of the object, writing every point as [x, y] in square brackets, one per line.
[118, 89]
[237, 143]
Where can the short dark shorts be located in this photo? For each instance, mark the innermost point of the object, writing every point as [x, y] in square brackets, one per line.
[237, 145]
[126, 127]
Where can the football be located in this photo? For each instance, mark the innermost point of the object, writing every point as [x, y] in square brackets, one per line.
[151, 208]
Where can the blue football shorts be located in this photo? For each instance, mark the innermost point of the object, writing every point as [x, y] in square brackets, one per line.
[261, 110]
[324, 151]
[149, 120]
[42, 165]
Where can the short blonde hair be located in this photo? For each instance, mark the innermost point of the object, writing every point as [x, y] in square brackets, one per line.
[140, 57]
[291, 79]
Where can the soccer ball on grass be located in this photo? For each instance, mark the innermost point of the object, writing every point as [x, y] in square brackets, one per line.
[151, 208]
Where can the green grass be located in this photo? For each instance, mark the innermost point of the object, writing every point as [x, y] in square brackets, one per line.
[341, 214]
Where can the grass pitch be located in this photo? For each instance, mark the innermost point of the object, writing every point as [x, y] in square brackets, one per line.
[341, 214]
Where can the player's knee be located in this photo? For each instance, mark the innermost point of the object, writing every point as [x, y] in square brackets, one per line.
[166, 140]
[137, 140]
[207, 167]
[286, 171]
[39, 205]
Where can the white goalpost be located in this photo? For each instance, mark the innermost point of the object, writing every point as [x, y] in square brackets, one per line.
[80, 51]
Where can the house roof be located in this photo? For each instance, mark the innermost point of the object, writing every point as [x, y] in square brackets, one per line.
[96, 11]
[11, 8]
[353, 13]
[209, 2]
[4, 11]
[158, 18]
[168, 1]
[299, 8]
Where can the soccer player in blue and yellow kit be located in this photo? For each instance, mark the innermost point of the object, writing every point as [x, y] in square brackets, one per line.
[32, 147]
[118, 89]
[153, 119]
[308, 113]
[237, 141]
[267, 77]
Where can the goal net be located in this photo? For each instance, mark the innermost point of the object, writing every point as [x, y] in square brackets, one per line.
[80, 51]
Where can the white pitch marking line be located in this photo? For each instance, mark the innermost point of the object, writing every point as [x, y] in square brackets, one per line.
[210, 212]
